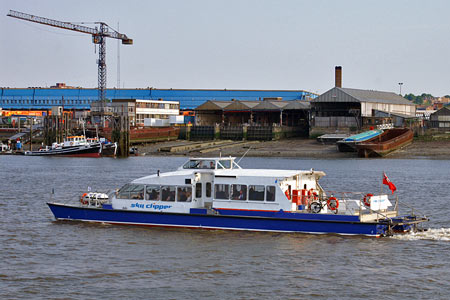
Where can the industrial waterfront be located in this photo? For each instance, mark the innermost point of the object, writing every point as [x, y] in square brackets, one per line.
[47, 259]
[268, 83]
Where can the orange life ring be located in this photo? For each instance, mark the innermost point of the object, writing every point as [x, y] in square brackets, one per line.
[83, 200]
[366, 199]
[333, 203]
[287, 195]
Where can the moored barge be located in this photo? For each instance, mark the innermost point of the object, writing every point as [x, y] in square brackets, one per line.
[348, 144]
[389, 141]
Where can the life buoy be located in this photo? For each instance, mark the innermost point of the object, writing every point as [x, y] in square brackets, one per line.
[71, 143]
[287, 195]
[333, 203]
[83, 199]
[366, 199]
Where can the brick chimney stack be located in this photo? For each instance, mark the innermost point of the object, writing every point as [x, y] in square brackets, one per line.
[338, 76]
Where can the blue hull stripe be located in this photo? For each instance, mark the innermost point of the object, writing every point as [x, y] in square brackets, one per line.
[234, 222]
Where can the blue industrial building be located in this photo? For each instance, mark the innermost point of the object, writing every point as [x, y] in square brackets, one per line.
[81, 98]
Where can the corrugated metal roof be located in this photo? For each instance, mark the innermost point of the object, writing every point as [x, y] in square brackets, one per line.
[305, 105]
[273, 105]
[80, 98]
[214, 105]
[445, 111]
[355, 95]
[241, 105]
[270, 105]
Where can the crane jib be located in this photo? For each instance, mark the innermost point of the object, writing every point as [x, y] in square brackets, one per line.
[98, 35]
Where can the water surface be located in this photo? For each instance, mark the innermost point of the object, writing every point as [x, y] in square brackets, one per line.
[42, 258]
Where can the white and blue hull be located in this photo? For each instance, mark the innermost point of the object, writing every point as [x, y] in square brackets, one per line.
[198, 218]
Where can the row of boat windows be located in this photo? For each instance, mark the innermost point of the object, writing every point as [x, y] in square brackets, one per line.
[156, 192]
[184, 193]
[244, 192]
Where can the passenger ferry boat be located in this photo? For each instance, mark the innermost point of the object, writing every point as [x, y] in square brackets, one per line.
[216, 193]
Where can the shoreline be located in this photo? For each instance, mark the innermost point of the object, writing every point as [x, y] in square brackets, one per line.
[303, 148]
[292, 148]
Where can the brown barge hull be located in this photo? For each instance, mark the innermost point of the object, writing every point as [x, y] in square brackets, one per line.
[387, 142]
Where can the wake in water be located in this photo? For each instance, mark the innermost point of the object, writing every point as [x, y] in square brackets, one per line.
[436, 234]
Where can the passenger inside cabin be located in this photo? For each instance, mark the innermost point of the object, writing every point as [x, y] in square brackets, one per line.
[168, 193]
[239, 192]
[188, 196]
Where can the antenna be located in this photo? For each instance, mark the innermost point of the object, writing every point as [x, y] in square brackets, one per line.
[245, 154]
[118, 59]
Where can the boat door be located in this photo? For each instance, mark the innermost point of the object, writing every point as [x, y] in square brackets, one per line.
[203, 188]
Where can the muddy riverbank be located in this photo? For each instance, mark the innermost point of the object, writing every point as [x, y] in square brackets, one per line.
[303, 148]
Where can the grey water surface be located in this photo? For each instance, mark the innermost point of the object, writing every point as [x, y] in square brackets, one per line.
[41, 258]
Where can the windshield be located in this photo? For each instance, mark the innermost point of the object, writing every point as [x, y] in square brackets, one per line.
[200, 164]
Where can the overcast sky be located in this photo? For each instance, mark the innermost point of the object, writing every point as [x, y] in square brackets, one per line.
[235, 44]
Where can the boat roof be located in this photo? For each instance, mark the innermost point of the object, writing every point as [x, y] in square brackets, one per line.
[238, 173]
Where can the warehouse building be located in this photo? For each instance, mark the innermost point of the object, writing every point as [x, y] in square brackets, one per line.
[257, 120]
[346, 109]
[81, 98]
[440, 119]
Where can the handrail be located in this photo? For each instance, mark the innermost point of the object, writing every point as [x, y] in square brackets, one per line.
[345, 195]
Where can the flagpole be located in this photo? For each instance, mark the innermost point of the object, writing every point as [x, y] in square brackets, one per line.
[381, 185]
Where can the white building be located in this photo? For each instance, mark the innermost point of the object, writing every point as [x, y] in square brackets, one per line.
[148, 112]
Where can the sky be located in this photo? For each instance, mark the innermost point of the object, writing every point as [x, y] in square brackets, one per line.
[234, 44]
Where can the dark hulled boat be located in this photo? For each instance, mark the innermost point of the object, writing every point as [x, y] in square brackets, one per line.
[389, 141]
[75, 146]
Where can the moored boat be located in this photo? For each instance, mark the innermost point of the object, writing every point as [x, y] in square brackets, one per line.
[76, 146]
[216, 193]
[387, 142]
[349, 144]
[109, 149]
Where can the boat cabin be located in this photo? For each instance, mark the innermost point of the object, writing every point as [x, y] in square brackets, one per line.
[220, 184]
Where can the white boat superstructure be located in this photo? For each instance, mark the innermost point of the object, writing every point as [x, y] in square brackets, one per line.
[221, 184]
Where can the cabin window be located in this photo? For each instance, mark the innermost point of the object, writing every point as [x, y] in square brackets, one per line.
[224, 164]
[124, 192]
[270, 193]
[238, 192]
[192, 164]
[137, 192]
[199, 164]
[168, 193]
[208, 189]
[184, 194]
[222, 191]
[152, 192]
[256, 192]
[198, 190]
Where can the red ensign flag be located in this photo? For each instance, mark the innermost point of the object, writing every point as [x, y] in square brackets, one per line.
[386, 181]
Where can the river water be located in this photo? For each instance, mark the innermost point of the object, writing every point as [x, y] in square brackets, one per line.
[44, 259]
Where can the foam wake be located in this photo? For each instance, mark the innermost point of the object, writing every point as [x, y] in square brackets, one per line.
[437, 234]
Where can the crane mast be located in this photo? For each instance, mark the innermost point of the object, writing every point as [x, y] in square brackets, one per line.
[99, 35]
